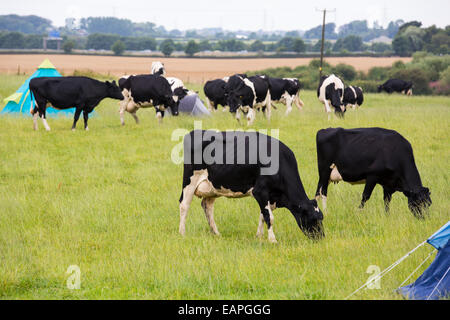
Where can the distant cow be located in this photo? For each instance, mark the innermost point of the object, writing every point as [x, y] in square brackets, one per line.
[331, 91]
[215, 93]
[158, 68]
[286, 90]
[396, 85]
[81, 93]
[143, 91]
[370, 156]
[247, 93]
[240, 171]
[353, 96]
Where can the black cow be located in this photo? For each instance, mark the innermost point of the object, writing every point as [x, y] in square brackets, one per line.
[353, 96]
[246, 93]
[143, 91]
[285, 90]
[396, 85]
[370, 156]
[331, 91]
[215, 93]
[81, 93]
[240, 167]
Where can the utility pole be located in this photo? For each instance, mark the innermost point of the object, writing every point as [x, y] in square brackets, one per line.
[323, 38]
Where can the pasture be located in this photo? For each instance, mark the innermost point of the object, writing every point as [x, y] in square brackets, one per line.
[106, 200]
[189, 70]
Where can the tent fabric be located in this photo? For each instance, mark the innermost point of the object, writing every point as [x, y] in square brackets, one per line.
[434, 283]
[440, 237]
[20, 102]
[192, 105]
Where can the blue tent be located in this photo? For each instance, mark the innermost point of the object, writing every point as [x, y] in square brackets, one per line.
[20, 102]
[434, 283]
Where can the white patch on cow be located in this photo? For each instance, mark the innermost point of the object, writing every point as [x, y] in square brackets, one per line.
[409, 93]
[226, 79]
[250, 116]
[252, 86]
[354, 92]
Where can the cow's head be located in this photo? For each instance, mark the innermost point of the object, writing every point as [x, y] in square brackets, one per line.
[380, 88]
[113, 91]
[180, 93]
[172, 104]
[309, 219]
[336, 96]
[419, 200]
[234, 100]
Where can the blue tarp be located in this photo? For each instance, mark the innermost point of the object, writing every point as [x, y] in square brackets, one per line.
[434, 283]
[21, 101]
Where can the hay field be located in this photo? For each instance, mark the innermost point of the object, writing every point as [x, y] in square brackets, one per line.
[189, 70]
[106, 200]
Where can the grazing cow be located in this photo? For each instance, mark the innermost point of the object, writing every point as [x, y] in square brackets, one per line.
[215, 93]
[370, 156]
[239, 168]
[143, 91]
[246, 93]
[353, 96]
[82, 93]
[396, 85]
[331, 91]
[286, 91]
[158, 68]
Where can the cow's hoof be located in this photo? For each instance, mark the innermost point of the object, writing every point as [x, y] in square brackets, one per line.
[273, 240]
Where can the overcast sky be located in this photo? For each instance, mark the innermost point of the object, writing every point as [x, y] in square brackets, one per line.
[237, 14]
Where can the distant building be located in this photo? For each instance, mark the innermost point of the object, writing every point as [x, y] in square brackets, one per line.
[70, 23]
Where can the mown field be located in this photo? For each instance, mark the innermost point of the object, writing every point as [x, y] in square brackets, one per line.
[106, 200]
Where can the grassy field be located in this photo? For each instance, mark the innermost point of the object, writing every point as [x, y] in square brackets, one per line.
[106, 200]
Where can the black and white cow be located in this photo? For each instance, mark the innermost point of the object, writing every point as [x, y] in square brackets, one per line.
[81, 93]
[178, 89]
[239, 170]
[331, 91]
[143, 91]
[158, 68]
[396, 85]
[286, 91]
[370, 156]
[215, 93]
[247, 93]
[353, 96]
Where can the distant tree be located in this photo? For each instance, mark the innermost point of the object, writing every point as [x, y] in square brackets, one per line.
[357, 27]
[298, 45]
[111, 25]
[317, 46]
[349, 43]
[204, 45]
[191, 48]
[26, 24]
[401, 47]
[316, 32]
[257, 45]
[118, 48]
[68, 46]
[380, 47]
[167, 47]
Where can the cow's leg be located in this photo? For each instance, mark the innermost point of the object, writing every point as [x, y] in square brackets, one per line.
[260, 231]
[250, 116]
[44, 120]
[159, 115]
[322, 186]
[298, 102]
[86, 118]
[368, 188]
[238, 115]
[263, 200]
[208, 207]
[289, 100]
[35, 120]
[327, 106]
[188, 195]
[122, 107]
[208, 104]
[387, 196]
[76, 116]
[133, 114]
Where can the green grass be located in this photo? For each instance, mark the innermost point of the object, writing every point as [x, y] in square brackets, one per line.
[107, 201]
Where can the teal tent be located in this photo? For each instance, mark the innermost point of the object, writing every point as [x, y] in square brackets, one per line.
[20, 102]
